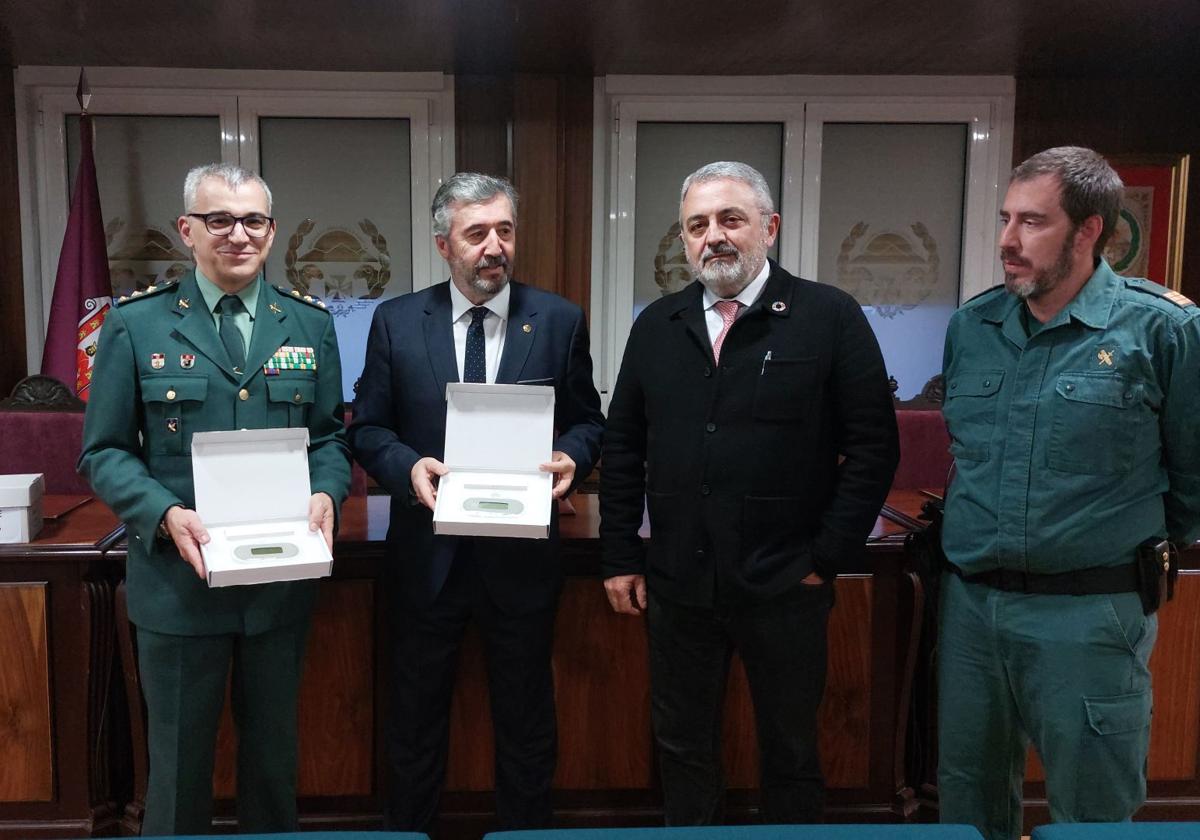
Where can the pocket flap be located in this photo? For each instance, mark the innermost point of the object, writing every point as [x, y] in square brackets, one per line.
[1110, 389]
[1123, 713]
[294, 391]
[172, 388]
[975, 383]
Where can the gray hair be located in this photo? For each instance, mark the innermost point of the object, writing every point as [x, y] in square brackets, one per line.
[467, 188]
[233, 175]
[735, 171]
[1089, 186]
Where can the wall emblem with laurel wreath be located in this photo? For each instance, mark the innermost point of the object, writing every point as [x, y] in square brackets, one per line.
[1128, 251]
[886, 271]
[142, 256]
[340, 263]
[671, 269]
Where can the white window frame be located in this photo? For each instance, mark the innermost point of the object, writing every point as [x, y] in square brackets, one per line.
[802, 104]
[46, 96]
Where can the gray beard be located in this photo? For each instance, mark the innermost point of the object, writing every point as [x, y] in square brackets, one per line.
[1045, 280]
[726, 280]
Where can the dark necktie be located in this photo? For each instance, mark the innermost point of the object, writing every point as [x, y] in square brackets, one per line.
[474, 361]
[231, 336]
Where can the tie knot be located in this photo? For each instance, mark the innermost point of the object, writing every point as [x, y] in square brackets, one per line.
[230, 305]
[728, 309]
[478, 313]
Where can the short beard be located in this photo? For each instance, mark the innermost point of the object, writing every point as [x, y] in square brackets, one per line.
[484, 286]
[1046, 279]
[727, 279]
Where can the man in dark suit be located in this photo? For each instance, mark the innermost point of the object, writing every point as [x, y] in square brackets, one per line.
[753, 415]
[478, 327]
[214, 352]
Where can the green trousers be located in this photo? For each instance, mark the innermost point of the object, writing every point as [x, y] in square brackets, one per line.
[1069, 674]
[183, 681]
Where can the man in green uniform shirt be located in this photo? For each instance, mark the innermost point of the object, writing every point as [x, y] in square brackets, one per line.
[1071, 398]
[219, 350]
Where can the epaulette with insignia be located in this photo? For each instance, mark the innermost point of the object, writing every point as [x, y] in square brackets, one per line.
[295, 294]
[1151, 288]
[148, 292]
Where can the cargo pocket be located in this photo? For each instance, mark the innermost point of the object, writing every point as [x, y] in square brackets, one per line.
[1095, 423]
[172, 403]
[1112, 757]
[296, 394]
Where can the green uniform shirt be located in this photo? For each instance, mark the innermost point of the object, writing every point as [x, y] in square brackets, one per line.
[1079, 441]
[244, 321]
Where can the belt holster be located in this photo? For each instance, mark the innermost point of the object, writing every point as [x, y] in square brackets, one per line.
[1158, 567]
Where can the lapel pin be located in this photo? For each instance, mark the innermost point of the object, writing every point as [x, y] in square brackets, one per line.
[157, 360]
[184, 303]
[778, 306]
[274, 308]
[187, 361]
[527, 328]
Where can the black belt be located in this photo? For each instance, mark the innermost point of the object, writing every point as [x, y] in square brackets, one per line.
[1098, 580]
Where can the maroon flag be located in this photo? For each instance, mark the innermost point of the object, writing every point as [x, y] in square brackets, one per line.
[82, 288]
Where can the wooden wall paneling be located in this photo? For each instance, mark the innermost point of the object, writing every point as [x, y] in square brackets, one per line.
[844, 726]
[1175, 728]
[537, 162]
[1118, 116]
[552, 140]
[26, 745]
[13, 358]
[576, 194]
[602, 691]
[337, 705]
[483, 113]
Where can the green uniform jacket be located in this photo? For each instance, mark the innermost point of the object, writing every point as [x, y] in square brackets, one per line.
[1078, 443]
[161, 375]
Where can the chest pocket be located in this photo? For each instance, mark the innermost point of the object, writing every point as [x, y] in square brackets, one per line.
[970, 411]
[290, 399]
[1096, 418]
[787, 389]
[173, 406]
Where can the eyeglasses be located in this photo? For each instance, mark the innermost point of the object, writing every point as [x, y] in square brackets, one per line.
[222, 224]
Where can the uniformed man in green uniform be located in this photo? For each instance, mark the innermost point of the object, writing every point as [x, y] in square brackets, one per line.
[219, 350]
[1072, 397]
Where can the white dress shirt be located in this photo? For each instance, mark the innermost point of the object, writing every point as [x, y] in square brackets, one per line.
[494, 324]
[712, 316]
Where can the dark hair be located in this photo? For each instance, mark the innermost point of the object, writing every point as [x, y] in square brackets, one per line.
[1088, 186]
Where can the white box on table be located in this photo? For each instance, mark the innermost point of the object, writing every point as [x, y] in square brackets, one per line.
[21, 506]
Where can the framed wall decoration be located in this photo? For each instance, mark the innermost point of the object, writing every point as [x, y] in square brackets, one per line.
[1148, 241]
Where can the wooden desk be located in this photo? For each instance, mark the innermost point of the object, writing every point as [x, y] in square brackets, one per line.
[56, 674]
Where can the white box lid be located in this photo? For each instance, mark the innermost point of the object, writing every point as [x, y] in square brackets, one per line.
[251, 475]
[20, 489]
[507, 428]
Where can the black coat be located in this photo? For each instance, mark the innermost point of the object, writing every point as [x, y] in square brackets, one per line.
[400, 417]
[739, 462]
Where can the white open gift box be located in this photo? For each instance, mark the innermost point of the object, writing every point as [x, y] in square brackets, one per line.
[496, 437]
[20, 507]
[252, 494]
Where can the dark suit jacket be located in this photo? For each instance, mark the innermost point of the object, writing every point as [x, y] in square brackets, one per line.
[739, 462]
[137, 440]
[400, 417]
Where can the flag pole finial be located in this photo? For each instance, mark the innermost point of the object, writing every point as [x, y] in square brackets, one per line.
[82, 92]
